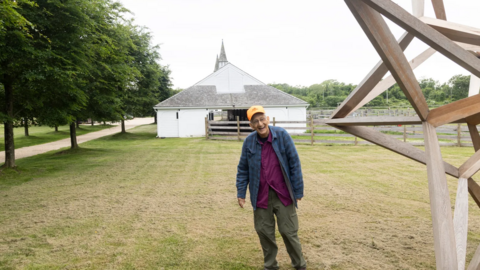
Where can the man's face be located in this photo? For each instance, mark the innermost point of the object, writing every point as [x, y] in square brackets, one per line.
[259, 123]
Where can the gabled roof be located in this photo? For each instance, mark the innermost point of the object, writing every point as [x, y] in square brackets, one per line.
[229, 86]
[207, 96]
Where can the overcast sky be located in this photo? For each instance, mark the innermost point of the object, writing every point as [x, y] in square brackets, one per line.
[294, 42]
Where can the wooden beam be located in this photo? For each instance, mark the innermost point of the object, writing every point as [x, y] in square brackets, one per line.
[392, 55]
[368, 83]
[475, 262]
[460, 221]
[443, 231]
[469, 47]
[473, 119]
[454, 31]
[418, 8]
[389, 81]
[475, 136]
[474, 190]
[428, 35]
[392, 144]
[375, 121]
[470, 167]
[454, 111]
[386, 83]
[439, 9]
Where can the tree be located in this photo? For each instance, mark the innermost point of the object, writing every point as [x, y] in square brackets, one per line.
[16, 50]
[459, 86]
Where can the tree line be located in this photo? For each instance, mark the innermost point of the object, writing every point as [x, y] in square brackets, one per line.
[62, 61]
[331, 93]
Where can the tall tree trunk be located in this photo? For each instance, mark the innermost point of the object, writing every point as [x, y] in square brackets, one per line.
[155, 118]
[56, 128]
[77, 123]
[8, 128]
[104, 123]
[93, 122]
[25, 123]
[73, 136]
[123, 126]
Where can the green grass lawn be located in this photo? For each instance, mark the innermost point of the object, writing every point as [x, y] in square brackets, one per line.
[44, 134]
[131, 201]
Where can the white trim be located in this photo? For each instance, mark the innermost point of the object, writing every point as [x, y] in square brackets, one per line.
[228, 107]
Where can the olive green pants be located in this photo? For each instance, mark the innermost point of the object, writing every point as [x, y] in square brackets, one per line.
[287, 226]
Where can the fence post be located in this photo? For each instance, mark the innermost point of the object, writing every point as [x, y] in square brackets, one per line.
[311, 128]
[459, 135]
[238, 127]
[404, 133]
[206, 128]
[356, 140]
[273, 121]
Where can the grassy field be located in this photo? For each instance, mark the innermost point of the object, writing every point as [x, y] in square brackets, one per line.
[131, 201]
[44, 134]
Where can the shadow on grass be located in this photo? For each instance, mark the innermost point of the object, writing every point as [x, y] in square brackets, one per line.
[129, 136]
[59, 162]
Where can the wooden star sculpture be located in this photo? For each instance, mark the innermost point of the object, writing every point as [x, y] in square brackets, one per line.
[457, 42]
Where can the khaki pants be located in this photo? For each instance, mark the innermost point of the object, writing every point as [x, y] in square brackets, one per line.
[287, 226]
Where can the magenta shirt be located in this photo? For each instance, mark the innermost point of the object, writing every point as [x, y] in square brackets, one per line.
[271, 176]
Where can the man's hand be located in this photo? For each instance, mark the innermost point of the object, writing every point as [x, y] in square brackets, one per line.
[241, 202]
[299, 200]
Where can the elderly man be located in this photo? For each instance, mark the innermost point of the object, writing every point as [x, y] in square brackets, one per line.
[270, 166]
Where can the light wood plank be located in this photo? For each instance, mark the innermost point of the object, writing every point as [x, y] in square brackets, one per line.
[443, 232]
[418, 8]
[460, 221]
[475, 262]
[454, 111]
[428, 35]
[474, 190]
[369, 82]
[392, 55]
[474, 87]
[375, 121]
[392, 144]
[389, 81]
[439, 9]
[475, 136]
[454, 31]
[470, 167]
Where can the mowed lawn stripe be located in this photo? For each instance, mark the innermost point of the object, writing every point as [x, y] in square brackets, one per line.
[44, 134]
[131, 201]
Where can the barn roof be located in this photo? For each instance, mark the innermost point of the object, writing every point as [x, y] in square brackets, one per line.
[228, 87]
[207, 96]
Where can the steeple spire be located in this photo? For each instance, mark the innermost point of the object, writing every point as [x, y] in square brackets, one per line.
[223, 56]
[222, 60]
[216, 64]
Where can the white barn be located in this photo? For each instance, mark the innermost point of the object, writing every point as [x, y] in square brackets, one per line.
[230, 89]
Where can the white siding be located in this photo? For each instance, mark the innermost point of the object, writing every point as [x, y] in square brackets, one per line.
[167, 123]
[280, 114]
[297, 114]
[288, 114]
[230, 79]
[192, 122]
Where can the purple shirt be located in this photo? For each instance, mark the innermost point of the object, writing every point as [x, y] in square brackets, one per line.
[271, 176]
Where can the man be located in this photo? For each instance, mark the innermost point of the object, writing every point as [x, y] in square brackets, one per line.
[270, 166]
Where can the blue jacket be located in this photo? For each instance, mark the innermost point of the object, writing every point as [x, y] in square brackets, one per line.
[248, 171]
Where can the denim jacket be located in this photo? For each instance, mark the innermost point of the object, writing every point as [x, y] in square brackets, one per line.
[248, 171]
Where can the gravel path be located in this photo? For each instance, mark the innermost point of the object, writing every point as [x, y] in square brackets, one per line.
[42, 148]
